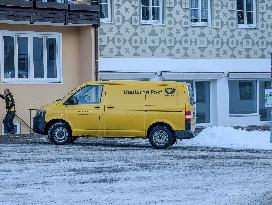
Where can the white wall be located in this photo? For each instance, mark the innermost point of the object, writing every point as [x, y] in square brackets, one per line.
[183, 65]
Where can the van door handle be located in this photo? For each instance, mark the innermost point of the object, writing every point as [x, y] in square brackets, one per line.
[97, 107]
[110, 107]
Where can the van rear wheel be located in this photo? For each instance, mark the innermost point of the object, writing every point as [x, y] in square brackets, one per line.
[160, 137]
[59, 133]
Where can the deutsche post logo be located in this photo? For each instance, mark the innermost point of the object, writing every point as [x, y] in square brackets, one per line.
[170, 91]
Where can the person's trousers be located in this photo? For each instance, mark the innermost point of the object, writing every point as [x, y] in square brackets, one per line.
[8, 122]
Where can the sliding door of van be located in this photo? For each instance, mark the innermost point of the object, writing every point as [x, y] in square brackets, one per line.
[124, 110]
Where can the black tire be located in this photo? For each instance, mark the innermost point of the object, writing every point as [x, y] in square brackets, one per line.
[160, 136]
[59, 133]
[173, 141]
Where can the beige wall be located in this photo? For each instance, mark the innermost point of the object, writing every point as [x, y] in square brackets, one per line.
[78, 66]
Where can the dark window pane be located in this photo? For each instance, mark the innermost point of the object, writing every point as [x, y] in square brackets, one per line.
[155, 2]
[9, 68]
[194, 3]
[145, 13]
[204, 15]
[38, 57]
[51, 46]
[145, 2]
[23, 57]
[203, 102]
[156, 13]
[246, 90]
[249, 5]
[240, 5]
[249, 18]
[194, 15]
[204, 4]
[104, 11]
[241, 17]
[265, 114]
[242, 97]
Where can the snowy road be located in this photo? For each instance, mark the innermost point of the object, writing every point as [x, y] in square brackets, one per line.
[131, 172]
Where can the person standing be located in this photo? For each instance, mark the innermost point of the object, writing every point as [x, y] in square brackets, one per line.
[10, 108]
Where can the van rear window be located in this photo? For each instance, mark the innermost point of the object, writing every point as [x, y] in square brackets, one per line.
[191, 93]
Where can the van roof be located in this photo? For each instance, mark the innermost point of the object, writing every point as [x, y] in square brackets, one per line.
[115, 82]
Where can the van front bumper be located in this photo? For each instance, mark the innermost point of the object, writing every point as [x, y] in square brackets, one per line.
[39, 124]
[184, 134]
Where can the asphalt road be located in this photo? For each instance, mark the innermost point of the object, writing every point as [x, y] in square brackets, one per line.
[99, 171]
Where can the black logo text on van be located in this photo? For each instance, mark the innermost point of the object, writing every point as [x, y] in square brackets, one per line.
[167, 92]
[143, 92]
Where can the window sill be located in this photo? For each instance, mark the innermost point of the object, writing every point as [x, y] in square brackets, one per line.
[199, 24]
[152, 23]
[15, 81]
[247, 26]
[244, 115]
[106, 21]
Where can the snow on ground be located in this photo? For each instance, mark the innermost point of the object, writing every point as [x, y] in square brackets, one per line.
[103, 171]
[130, 171]
[228, 137]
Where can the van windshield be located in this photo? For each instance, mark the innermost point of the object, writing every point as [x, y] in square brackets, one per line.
[61, 99]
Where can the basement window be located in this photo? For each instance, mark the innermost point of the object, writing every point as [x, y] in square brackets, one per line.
[31, 57]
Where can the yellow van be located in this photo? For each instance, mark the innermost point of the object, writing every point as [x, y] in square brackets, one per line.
[159, 111]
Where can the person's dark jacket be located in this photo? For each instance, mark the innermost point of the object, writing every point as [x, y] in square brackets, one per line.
[10, 103]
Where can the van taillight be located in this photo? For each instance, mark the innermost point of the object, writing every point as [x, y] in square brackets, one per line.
[188, 116]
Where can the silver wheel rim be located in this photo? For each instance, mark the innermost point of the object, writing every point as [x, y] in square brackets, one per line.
[61, 134]
[160, 137]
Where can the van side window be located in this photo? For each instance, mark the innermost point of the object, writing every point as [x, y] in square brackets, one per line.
[90, 94]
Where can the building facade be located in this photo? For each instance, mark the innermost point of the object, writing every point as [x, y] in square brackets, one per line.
[47, 49]
[221, 47]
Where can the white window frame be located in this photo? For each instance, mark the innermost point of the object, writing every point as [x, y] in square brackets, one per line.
[58, 1]
[150, 21]
[245, 25]
[61, 1]
[30, 35]
[199, 23]
[109, 18]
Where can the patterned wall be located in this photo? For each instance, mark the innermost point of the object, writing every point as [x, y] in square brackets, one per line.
[126, 37]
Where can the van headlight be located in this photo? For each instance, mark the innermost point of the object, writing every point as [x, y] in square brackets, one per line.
[40, 113]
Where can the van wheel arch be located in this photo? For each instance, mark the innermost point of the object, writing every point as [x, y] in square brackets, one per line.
[159, 123]
[161, 135]
[51, 122]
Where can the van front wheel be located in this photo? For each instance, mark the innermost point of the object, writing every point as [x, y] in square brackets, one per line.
[160, 137]
[59, 133]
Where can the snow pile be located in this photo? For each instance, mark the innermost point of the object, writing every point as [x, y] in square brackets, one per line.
[229, 137]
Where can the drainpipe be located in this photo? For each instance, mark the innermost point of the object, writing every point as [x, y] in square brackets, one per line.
[271, 108]
[96, 51]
